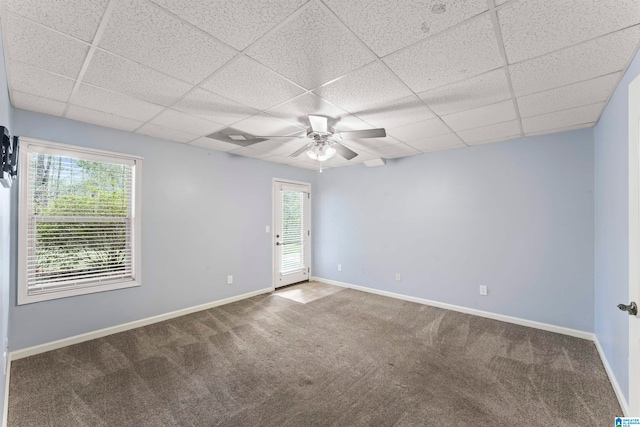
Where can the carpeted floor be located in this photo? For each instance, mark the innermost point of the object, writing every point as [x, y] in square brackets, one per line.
[343, 358]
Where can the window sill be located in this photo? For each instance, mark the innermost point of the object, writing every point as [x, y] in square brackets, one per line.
[46, 296]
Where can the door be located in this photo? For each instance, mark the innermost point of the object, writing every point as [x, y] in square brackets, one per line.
[634, 248]
[291, 232]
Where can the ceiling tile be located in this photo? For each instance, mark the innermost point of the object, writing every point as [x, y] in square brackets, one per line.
[237, 23]
[29, 102]
[130, 78]
[495, 113]
[185, 123]
[499, 139]
[437, 143]
[348, 123]
[394, 151]
[213, 144]
[388, 26]
[491, 133]
[38, 82]
[499, 2]
[209, 106]
[396, 113]
[252, 84]
[364, 88]
[162, 132]
[278, 147]
[311, 49]
[485, 89]
[420, 130]
[298, 109]
[563, 129]
[337, 161]
[262, 124]
[102, 119]
[44, 48]
[454, 55]
[78, 18]
[99, 99]
[562, 98]
[250, 152]
[362, 156]
[602, 56]
[369, 144]
[147, 34]
[535, 27]
[559, 119]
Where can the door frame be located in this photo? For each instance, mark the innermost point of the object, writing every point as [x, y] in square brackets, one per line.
[274, 270]
[634, 245]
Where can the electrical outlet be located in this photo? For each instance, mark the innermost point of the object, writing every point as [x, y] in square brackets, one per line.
[484, 290]
[229, 280]
[267, 229]
[398, 277]
[339, 267]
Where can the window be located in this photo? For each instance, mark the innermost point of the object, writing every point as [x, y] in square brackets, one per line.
[79, 221]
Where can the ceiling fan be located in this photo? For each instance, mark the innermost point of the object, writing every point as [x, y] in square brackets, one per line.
[325, 141]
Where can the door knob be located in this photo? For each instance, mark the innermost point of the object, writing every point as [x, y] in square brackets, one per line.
[632, 308]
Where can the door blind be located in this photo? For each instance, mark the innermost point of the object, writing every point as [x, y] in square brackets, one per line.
[79, 222]
[293, 231]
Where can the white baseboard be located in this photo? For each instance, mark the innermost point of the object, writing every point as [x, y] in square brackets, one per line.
[5, 408]
[612, 378]
[53, 345]
[501, 317]
[30, 351]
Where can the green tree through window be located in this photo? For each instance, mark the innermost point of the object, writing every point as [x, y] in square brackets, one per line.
[80, 213]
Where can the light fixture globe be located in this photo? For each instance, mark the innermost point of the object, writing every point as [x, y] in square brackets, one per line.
[321, 152]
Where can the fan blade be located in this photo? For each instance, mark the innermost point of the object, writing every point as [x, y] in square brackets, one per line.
[359, 134]
[344, 151]
[300, 151]
[318, 123]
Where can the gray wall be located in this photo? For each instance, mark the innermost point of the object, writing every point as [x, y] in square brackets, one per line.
[516, 216]
[612, 228]
[5, 231]
[203, 217]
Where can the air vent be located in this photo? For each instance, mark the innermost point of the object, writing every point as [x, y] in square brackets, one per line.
[375, 162]
[235, 137]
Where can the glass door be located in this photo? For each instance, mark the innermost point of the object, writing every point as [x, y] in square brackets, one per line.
[292, 232]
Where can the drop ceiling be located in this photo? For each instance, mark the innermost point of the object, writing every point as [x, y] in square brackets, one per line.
[437, 74]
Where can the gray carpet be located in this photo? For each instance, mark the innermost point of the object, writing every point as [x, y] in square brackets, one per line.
[346, 359]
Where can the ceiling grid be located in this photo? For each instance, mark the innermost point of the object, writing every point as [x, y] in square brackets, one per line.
[436, 74]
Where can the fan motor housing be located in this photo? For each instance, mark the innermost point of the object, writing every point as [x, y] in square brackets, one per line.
[320, 136]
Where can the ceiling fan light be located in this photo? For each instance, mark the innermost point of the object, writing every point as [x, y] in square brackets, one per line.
[326, 154]
[321, 153]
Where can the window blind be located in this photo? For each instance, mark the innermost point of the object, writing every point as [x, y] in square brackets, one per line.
[293, 231]
[79, 222]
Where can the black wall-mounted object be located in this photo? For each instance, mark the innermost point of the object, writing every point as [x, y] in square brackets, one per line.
[9, 159]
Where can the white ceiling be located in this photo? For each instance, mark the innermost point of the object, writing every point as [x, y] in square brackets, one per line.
[437, 74]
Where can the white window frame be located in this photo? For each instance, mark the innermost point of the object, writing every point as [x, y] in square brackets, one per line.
[30, 145]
